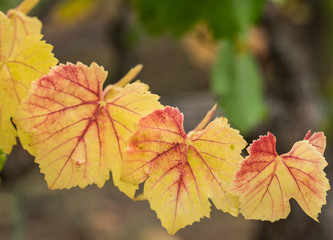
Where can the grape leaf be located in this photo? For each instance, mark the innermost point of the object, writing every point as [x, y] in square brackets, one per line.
[81, 131]
[23, 58]
[183, 171]
[266, 181]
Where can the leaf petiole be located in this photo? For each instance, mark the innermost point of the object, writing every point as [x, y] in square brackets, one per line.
[132, 73]
[204, 121]
[25, 7]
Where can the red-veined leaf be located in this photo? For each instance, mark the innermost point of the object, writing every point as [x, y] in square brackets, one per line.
[80, 135]
[182, 172]
[266, 181]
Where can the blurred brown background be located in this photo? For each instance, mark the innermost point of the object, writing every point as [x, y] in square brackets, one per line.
[293, 45]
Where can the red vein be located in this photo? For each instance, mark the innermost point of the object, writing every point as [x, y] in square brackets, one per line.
[280, 187]
[86, 158]
[76, 145]
[123, 95]
[301, 159]
[61, 91]
[180, 129]
[122, 107]
[196, 183]
[163, 175]
[150, 161]
[77, 83]
[60, 110]
[100, 147]
[162, 129]
[49, 99]
[153, 141]
[306, 174]
[214, 177]
[222, 159]
[262, 197]
[115, 132]
[297, 186]
[256, 174]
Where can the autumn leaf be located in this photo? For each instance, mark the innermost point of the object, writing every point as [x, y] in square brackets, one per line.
[266, 181]
[80, 134]
[23, 59]
[182, 172]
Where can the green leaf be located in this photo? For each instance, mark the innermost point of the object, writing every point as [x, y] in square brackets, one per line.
[248, 11]
[221, 18]
[225, 18]
[237, 82]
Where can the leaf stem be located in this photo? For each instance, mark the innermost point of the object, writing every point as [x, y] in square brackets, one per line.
[205, 120]
[27, 5]
[132, 73]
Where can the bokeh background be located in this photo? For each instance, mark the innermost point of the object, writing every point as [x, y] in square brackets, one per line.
[269, 65]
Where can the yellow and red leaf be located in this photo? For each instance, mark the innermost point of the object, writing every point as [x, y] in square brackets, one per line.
[79, 134]
[182, 172]
[266, 181]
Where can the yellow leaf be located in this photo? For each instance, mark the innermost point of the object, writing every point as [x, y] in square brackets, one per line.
[79, 135]
[182, 172]
[23, 59]
[266, 181]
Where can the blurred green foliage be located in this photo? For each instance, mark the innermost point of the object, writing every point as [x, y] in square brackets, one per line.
[236, 79]
[5, 5]
[3, 158]
[327, 49]
[225, 18]
[237, 82]
[71, 12]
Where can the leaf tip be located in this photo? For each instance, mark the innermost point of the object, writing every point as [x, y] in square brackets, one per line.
[317, 140]
[138, 68]
[265, 141]
[308, 135]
